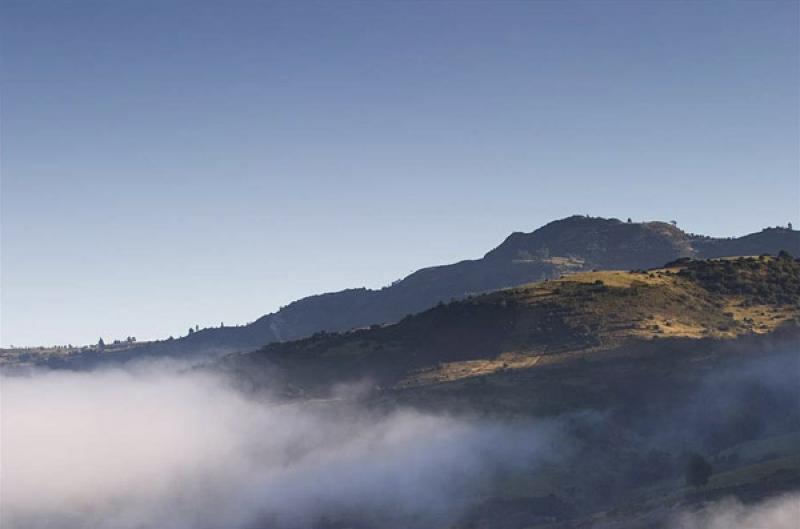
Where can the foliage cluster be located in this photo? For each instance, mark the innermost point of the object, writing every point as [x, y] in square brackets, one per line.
[764, 280]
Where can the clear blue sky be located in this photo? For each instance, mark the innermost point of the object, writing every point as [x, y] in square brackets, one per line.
[173, 163]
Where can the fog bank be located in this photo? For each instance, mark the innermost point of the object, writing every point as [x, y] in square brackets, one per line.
[118, 450]
[777, 513]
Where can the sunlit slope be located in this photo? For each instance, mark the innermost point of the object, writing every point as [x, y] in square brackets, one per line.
[580, 316]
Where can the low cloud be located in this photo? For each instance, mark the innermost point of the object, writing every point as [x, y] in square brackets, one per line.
[117, 450]
[777, 513]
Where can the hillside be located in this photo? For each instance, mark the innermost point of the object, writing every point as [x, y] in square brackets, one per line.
[574, 244]
[580, 316]
[635, 371]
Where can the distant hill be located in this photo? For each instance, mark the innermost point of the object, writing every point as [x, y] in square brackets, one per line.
[573, 244]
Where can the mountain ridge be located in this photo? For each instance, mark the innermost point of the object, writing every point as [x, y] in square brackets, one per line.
[652, 244]
[573, 244]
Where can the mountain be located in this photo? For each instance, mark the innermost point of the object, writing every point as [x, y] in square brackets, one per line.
[573, 244]
[569, 245]
[637, 372]
[619, 380]
[579, 317]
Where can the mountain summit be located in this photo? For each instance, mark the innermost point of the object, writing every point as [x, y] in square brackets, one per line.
[598, 242]
[615, 245]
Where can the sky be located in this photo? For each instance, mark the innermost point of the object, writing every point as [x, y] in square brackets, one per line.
[165, 164]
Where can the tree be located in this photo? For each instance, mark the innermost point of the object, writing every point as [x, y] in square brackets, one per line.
[191, 330]
[629, 220]
[790, 225]
[101, 344]
[674, 222]
[698, 470]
